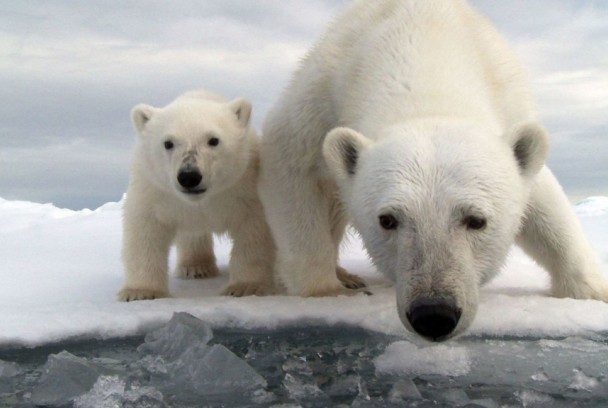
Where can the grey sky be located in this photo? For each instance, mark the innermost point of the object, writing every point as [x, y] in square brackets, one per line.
[70, 72]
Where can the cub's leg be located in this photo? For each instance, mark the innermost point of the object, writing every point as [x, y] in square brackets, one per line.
[145, 252]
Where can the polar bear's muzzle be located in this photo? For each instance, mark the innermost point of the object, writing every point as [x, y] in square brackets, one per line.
[433, 318]
[190, 178]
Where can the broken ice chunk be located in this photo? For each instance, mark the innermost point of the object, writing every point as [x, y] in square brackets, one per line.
[404, 390]
[583, 382]
[403, 357]
[300, 383]
[111, 392]
[106, 393]
[175, 337]
[64, 378]
[215, 370]
[9, 370]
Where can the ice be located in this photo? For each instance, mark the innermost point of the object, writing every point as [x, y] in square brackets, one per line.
[8, 373]
[404, 390]
[482, 403]
[9, 370]
[111, 392]
[406, 358]
[300, 383]
[583, 382]
[181, 332]
[64, 378]
[592, 206]
[215, 370]
[344, 385]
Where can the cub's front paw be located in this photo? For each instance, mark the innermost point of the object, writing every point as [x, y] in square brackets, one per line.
[129, 295]
[197, 271]
[349, 280]
[241, 289]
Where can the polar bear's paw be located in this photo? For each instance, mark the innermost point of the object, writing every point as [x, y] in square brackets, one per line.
[349, 280]
[241, 289]
[594, 288]
[130, 295]
[203, 271]
[336, 291]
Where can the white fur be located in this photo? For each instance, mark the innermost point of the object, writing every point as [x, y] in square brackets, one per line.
[436, 125]
[159, 212]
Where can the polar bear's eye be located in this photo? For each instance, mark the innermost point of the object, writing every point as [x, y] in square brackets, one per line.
[214, 141]
[388, 222]
[475, 223]
[169, 145]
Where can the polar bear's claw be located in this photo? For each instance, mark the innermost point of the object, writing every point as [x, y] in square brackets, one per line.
[241, 289]
[198, 271]
[130, 295]
[349, 280]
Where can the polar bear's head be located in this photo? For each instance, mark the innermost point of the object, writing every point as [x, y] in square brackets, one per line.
[437, 207]
[196, 146]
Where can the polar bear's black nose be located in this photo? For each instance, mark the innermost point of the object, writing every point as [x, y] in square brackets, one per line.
[434, 318]
[189, 178]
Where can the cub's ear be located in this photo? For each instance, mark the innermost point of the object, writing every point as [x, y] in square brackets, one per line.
[140, 115]
[342, 150]
[242, 109]
[530, 144]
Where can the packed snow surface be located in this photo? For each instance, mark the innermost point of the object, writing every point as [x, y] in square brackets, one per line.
[61, 269]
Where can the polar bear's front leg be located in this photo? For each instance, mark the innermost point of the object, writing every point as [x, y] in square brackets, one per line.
[553, 236]
[195, 257]
[298, 213]
[145, 251]
[252, 258]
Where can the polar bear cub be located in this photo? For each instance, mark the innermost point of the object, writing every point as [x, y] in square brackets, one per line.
[194, 173]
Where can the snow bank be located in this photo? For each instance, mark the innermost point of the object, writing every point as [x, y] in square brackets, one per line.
[60, 271]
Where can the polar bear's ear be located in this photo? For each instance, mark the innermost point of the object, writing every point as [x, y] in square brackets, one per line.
[342, 149]
[530, 144]
[242, 109]
[140, 115]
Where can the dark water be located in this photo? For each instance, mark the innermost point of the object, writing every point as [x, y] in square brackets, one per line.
[301, 366]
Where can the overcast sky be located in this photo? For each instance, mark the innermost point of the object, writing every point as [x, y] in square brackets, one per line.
[70, 72]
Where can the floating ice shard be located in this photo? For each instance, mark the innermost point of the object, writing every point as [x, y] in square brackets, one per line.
[582, 382]
[180, 333]
[106, 393]
[111, 392]
[300, 383]
[64, 378]
[9, 370]
[403, 357]
[404, 390]
[482, 403]
[8, 373]
[215, 370]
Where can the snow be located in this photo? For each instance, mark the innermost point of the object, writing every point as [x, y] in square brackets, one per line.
[61, 269]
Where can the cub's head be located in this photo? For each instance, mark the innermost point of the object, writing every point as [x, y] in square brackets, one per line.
[196, 146]
[437, 208]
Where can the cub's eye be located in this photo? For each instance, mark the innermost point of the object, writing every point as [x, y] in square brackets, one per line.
[388, 222]
[169, 145]
[474, 223]
[214, 141]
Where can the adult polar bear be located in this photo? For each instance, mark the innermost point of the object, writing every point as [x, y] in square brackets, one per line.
[435, 156]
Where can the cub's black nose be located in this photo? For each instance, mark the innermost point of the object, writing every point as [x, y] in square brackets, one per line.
[433, 318]
[189, 178]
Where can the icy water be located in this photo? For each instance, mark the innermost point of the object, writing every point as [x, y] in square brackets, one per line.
[185, 364]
